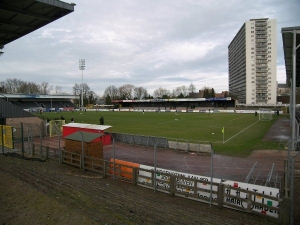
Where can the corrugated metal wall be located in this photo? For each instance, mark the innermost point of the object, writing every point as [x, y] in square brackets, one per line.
[9, 110]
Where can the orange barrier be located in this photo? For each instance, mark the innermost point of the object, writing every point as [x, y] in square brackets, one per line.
[126, 168]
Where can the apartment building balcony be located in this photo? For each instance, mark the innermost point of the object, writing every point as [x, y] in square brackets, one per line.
[261, 53]
[261, 40]
[260, 92]
[261, 32]
[261, 61]
[261, 70]
[261, 83]
[261, 48]
[261, 23]
[261, 36]
[259, 57]
[263, 28]
[261, 76]
[262, 65]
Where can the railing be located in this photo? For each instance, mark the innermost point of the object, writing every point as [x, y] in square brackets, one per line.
[209, 190]
[163, 142]
[218, 194]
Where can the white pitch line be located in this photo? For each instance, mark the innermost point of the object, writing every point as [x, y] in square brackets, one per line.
[241, 131]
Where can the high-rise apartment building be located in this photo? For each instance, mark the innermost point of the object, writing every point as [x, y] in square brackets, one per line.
[252, 56]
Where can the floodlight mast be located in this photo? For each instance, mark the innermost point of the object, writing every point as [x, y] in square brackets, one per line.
[81, 67]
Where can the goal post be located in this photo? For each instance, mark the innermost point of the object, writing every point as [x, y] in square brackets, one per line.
[265, 114]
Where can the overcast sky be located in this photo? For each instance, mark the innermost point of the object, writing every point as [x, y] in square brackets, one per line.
[148, 43]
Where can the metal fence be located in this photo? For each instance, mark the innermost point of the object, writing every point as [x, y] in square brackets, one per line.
[163, 142]
[32, 141]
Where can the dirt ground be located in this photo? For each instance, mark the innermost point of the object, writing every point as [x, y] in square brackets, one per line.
[34, 192]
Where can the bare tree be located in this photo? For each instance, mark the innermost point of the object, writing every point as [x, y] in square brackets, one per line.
[140, 93]
[45, 88]
[91, 97]
[76, 89]
[57, 89]
[176, 92]
[161, 93]
[192, 88]
[111, 92]
[2, 87]
[184, 90]
[13, 85]
[126, 91]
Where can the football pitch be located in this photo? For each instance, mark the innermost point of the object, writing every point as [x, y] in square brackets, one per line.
[230, 134]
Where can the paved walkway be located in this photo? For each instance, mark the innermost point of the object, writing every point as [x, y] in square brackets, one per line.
[279, 131]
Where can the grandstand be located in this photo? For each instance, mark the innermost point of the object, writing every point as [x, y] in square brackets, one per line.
[180, 103]
[46, 103]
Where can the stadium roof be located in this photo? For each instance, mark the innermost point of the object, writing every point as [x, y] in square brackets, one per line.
[288, 44]
[19, 18]
[37, 96]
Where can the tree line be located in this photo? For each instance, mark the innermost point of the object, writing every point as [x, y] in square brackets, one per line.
[123, 92]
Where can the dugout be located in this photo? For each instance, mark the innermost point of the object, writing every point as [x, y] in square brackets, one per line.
[91, 128]
[91, 143]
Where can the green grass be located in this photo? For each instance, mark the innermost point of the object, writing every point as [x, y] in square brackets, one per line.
[243, 132]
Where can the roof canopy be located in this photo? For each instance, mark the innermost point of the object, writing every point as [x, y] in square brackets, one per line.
[87, 126]
[288, 34]
[18, 18]
[83, 136]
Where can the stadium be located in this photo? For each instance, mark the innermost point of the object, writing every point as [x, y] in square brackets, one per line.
[202, 152]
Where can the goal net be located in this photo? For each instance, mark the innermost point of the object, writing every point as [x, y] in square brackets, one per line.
[265, 114]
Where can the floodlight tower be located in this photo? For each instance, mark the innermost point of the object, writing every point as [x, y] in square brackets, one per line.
[81, 67]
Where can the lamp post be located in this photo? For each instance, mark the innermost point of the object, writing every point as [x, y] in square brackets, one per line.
[81, 67]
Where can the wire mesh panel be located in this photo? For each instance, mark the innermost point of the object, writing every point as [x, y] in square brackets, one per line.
[6, 136]
[148, 141]
[54, 126]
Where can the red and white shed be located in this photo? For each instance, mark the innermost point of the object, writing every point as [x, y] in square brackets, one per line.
[92, 128]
